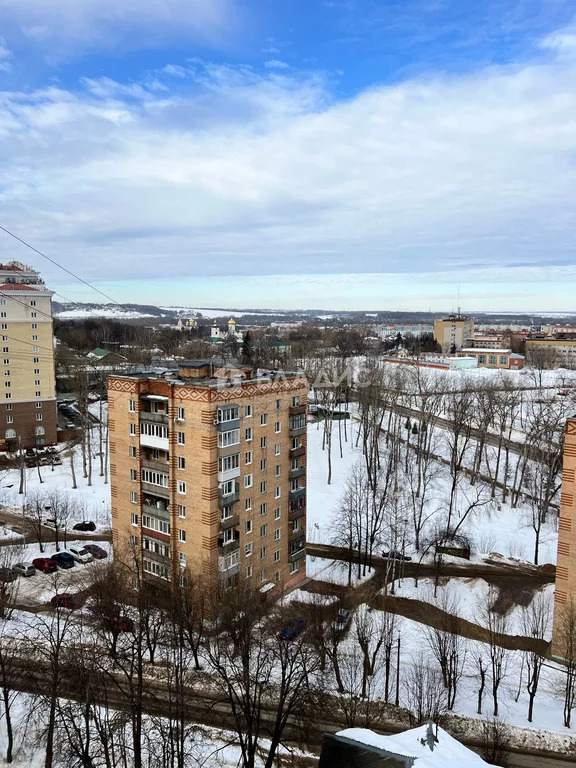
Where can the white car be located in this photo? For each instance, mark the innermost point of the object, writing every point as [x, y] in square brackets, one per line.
[80, 554]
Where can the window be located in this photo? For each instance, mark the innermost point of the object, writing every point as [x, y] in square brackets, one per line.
[158, 547]
[181, 462]
[6, 349]
[277, 427]
[133, 541]
[277, 405]
[9, 407]
[229, 413]
[133, 474]
[5, 338]
[133, 429]
[277, 556]
[503, 360]
[155, 478]
[295, 484]
[154, 430]
[37, 383]
[151, 566]
[132, 451]
[295, 525]
[248, 480]
[226, 463]
[228, 438]
[4, 327]
[295, 463]
[249, 572]
[294, 566]
[277, 534]
[226, 513]
[249, 434]
[132, 406]
[38, 405]
[277, 449]
[181, 438]
[248, 549]
[181, 534]
[35, 327]
[181, 486]
[36, 371]
[33, 314]
[9, 419]
[248, 504]
[10, 434]
[248, 457]
[7, 372]
[181, 559]
[262, 442]
[134, 518]
[263, 531]
[277, 470]
[295, 401]
[6, 361]
[34, 349]
[33, 303]
[492, 359]
[134, 497]
[247, 411]
[263, 486]
[39, 431]
[263, 509]
[34, 337]
[263, 419]
[277, 513]
[298, 422]
[7, 384]
[8, 395]
[38, 393]
[36, 359]
[481, 358]
[227, 487]
[181, 511]
[3, 314]
[180, 413]
[277, 492]
[228, 536]
[262, 553]
[248, 526]
[3, 302]
[263, 465]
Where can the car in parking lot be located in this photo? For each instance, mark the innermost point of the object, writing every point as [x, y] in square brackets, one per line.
[85, 525]
[30, 453]
[64, 560]
[80, 554]
[393, 554]
[67, 600]
[342, 620]
[45, 564]
[7, 574]
[98, 553]
[56, 460]
[293, 628]
[44, 461]
[24, 569]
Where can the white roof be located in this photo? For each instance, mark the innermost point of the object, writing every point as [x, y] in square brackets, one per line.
[447, 753]
[491, 350]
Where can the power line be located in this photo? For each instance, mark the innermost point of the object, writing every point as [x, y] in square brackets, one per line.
[64, 269]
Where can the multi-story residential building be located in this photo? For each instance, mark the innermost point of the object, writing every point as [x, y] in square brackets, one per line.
[565, 593]
[28, 412]
[453, 332]
[551, 351]
[208, 472]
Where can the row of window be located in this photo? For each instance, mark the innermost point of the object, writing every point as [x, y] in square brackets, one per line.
[8, 395]
[10, 434]
[227, 413]
[32, 304]
[264, 575]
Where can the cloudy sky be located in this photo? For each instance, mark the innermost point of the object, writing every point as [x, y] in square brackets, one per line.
[353, 154]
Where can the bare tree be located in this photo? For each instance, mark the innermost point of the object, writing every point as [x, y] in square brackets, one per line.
[536, 619]
[424, 692]
[448, 647]
[496, 626]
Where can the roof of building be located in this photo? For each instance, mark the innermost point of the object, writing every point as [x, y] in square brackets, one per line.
[486, 350]
[21, 287]
[447, 752]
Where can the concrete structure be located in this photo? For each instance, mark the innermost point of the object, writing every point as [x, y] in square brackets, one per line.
[453, 332]
[208, 471]
[565, 593]
[441, 362]
[551, 351]
[28, 410]
[493, 358]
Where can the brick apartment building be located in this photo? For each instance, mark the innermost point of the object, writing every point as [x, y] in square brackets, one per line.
[208, 471]
[565, 591]
[28, 413]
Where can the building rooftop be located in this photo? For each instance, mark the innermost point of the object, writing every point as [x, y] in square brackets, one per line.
[486, 350]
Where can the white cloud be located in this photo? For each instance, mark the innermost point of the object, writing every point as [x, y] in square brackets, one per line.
[5, 56]
[276, 64]
[61, 26]
[236, 173]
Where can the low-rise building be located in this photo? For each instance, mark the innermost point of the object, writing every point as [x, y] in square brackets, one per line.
[551, 351]
[493, 358]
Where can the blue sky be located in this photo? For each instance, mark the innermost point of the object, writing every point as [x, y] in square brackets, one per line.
[340, 154]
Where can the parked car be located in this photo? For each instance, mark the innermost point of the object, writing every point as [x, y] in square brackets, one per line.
[30, 463]
[395, 555]
[98, 553]
[80, 554]
[44, 461]
[24, 569]
[56, 460]
[51, 449]
[85, 525]
[293, 629]
[45, 564]
[342, 620]
[7, 574]
[67, 600]
[64, 560]
[30, 452]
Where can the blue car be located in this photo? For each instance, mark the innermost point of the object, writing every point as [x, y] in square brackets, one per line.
[293, 629]
[64, 560]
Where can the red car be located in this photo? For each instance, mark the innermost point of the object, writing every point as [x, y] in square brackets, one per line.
[67, 600]
[45, 564]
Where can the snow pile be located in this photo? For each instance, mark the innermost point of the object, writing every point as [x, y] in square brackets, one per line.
[447, 752]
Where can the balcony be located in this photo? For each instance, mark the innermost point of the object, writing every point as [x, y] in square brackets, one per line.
[154, 418]
[295, 452]
[151, 509]
[227, 426]
[299, 493]
[294, 473]
[229, 564]
[229, 547]
[158, 466]
[153, 441]
[296, 514]
[229, 474]
[229, 522]
[224, 500]
[156, 490]
[293, 535]
[297, 549]
[296, 431]
[296, 410]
